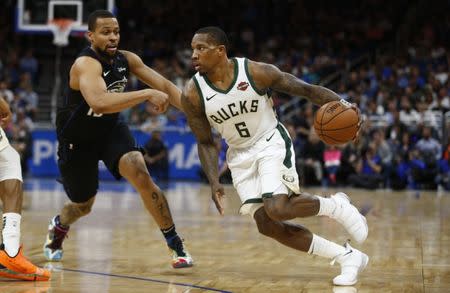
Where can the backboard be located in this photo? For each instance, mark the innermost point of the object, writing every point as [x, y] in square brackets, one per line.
[32, 16]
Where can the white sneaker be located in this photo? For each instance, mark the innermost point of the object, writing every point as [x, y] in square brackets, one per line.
[348, 216]
[352, 263]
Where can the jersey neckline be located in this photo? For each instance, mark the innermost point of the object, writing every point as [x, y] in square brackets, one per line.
[211, 85]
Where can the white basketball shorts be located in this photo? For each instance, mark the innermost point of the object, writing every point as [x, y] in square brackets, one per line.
[10, 164]
[267, 168]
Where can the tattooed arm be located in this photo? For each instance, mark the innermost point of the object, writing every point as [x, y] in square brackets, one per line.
[209, 156]
[269, 76]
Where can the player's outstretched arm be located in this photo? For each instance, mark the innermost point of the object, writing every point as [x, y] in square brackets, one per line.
[5, 112]
[153, 78]
[269, 76]
[209, 156]
[85, 75]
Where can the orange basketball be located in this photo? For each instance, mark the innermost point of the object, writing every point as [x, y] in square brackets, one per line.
[336, 122]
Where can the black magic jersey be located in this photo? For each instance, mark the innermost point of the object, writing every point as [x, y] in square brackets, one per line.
[76, 121]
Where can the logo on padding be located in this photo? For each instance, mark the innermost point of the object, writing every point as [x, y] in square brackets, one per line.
[288, 178]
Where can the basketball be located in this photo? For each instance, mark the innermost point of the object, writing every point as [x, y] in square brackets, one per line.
[336, 122]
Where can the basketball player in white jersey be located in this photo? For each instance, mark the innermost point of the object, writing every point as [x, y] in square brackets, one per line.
[13, 263]
[231, 96]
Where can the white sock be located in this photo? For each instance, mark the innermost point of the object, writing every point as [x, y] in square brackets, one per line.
[327, 206]
[322, 247]
[11, 233]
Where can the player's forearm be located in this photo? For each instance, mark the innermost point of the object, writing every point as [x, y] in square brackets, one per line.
[209, 158]
[293, 86]
[116, 102]
[174, 96]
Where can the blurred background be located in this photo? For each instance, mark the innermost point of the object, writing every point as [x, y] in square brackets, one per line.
[390, 57]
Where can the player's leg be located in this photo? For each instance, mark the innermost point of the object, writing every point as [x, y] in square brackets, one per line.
[352, 261]
[13, 264]
[79, 176]
[276, 167]
[122, 159]
[282, 207]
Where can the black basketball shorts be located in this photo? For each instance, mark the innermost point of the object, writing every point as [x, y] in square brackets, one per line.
[78, 163]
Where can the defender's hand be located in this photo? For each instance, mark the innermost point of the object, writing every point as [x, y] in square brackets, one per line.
[159, 99]
[217, 194]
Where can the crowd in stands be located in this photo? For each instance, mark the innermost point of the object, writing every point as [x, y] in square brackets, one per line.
[403, 94]
[405, 141]
[19, 71]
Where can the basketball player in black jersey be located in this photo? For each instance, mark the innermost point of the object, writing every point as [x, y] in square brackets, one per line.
[89, 130]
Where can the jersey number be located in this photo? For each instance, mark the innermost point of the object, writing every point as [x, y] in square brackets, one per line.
[93, 114]
[242, 129]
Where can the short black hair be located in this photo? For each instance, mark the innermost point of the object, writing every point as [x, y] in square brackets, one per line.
[92, 19]
[217, 35]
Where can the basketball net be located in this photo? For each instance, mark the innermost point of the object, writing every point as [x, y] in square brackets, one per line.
[61, 28]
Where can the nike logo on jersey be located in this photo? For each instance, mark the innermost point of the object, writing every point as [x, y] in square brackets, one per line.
[267, 139]
[106, 73]
[209, 98]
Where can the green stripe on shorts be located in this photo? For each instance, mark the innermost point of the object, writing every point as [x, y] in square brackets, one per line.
[253, 200]
[288, 143]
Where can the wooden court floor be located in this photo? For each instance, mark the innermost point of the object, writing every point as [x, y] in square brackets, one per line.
[118, 247]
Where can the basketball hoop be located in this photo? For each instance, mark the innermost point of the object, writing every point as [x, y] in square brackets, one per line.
[61, 28]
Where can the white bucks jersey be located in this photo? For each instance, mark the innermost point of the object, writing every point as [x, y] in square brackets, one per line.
[3, 140]
[241, 114]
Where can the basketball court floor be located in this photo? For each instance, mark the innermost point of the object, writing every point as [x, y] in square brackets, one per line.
[119, 248]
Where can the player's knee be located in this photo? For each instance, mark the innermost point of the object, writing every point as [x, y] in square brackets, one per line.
[132, 167]
[264, 223]
[276, 209]
[84, 208]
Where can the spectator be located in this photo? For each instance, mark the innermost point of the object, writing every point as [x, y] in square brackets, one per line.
[368, 170]
[5, 92]
[157, 157]
[31, 100]
[311, 161]
[332, 162]
[154, 120]
[384, 152]
[21, 139]
[29, 64]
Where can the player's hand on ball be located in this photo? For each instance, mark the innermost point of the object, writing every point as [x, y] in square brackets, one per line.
[160, 100]
[217, 194]
[361, 119]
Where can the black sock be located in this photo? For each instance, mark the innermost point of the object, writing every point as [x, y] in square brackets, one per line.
[173, 240]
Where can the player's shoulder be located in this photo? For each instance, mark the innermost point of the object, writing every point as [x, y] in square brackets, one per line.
[256, 67]
[127, 54]
[191, 93]
[130, 56]
[191, 88]
[86, 63]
